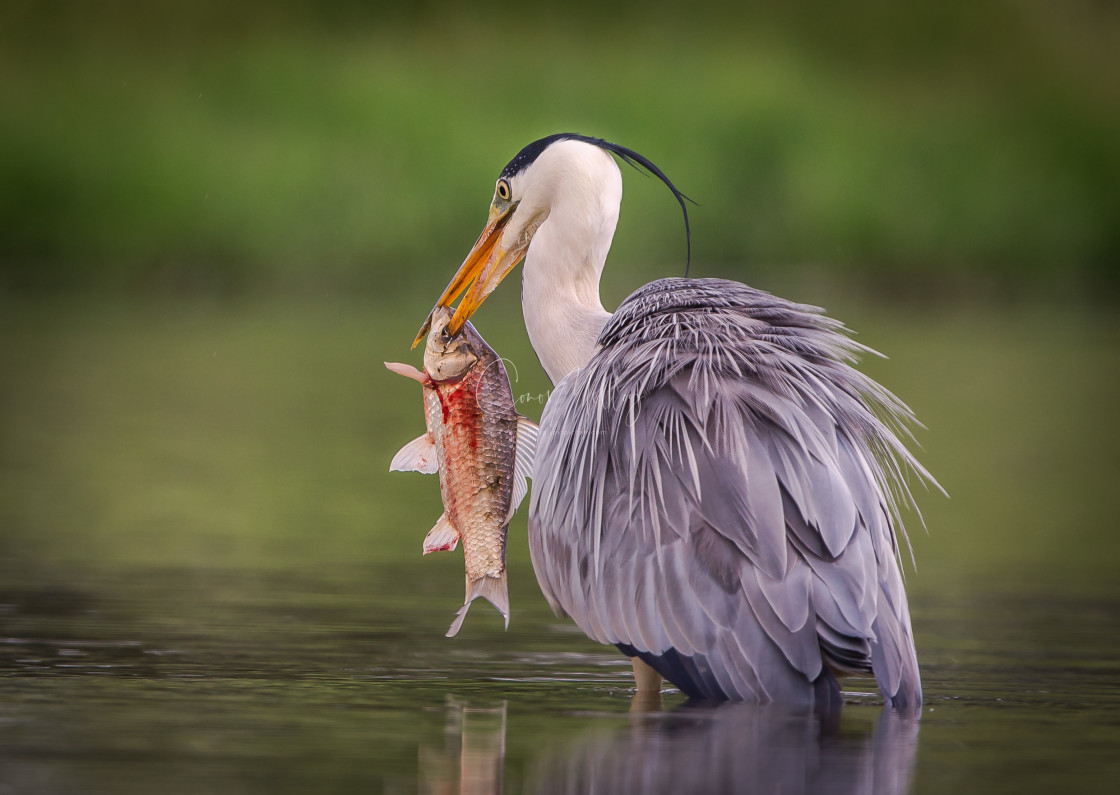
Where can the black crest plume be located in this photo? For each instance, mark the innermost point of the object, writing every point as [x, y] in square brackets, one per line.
[628, 156]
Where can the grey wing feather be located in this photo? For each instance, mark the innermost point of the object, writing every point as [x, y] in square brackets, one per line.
[717, 491]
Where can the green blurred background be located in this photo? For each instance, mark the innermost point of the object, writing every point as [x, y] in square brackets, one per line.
[216, 220]
[941, 147]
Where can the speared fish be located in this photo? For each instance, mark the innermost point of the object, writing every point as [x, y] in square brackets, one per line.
[481, 447]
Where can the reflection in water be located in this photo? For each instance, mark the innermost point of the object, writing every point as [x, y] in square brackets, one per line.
[734, 748]
[726, 748]
[473, 753]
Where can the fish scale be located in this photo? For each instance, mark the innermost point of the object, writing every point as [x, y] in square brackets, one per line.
[482, 449]
[476, 488]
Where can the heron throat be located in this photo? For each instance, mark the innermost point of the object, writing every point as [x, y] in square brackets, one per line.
[560, 293]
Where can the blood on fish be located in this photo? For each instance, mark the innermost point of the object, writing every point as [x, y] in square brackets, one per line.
[443, 406]
[474, 429]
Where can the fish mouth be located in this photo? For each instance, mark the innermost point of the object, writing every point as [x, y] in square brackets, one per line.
[447, 357]
[490, 260]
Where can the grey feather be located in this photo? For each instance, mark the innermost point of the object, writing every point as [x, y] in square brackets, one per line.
[737, 485]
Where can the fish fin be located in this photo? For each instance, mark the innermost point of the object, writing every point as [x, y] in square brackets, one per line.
[408, 371]
[442, 537]
[527, 433]
[419, 455]
[458, 622]
[526, 453]
[493, 589]
[520, 489]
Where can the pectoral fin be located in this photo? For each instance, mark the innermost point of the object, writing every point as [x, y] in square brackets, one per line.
[419, 455]
[441, 538]
[408, 371]
[493, 589]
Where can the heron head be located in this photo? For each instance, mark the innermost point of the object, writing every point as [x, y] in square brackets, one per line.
[527, 190]
[516, 211]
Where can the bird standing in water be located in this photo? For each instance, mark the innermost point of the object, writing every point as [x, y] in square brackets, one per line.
[716, 490]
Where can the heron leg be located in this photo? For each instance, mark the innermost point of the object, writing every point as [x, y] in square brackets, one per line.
[646, 678]
[827, 701]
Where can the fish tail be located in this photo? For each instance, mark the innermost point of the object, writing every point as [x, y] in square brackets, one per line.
[493, 589]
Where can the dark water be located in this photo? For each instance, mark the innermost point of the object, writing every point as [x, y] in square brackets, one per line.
[209, 582]
[339, 686]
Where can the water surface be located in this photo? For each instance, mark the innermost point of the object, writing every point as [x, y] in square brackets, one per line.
[209, 583]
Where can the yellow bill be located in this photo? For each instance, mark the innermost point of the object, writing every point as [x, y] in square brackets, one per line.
[488, 262]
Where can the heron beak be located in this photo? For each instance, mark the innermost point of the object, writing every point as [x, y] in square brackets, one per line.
[488, 262]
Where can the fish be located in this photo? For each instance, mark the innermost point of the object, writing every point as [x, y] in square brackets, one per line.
[482, 449]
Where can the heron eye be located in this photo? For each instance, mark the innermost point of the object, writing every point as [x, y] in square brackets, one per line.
[503, 190]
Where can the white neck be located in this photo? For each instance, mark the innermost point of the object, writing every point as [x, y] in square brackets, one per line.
[560, 287]
[563, 325]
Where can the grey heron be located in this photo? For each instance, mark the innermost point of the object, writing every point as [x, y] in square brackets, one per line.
[717, 488]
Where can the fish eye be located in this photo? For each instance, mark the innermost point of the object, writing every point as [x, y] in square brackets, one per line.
[503, 190]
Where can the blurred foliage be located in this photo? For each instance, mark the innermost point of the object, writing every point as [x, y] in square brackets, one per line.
[953, 147]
